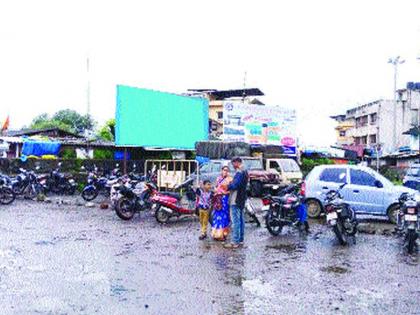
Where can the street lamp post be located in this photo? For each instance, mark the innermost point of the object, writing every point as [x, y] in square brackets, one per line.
[395, 62]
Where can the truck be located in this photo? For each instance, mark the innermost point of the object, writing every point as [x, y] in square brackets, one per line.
[263, 174]
[267, 166]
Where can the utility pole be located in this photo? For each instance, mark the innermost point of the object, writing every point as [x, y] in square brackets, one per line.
[395, 62]
[88, 86]
[244, 93]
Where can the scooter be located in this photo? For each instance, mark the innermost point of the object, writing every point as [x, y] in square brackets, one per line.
[170, 205]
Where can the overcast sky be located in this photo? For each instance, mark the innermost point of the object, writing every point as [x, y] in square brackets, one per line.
[319, 57]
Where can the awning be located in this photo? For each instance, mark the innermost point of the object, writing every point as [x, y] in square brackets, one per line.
[414, 131]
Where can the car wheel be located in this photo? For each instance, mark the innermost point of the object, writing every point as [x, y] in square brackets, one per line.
[393, 213]
[314, 208]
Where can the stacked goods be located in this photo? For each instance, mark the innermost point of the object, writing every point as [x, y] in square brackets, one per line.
[267, 151]
[222, 150]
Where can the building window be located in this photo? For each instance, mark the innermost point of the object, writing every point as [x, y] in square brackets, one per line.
[372, 139]
[414, 117]
[363, 140]
[361, 121]
[342, 133]
[373, 118]
[357, 140]
[219, 115]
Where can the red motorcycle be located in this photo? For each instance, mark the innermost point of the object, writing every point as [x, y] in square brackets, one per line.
[168, 205]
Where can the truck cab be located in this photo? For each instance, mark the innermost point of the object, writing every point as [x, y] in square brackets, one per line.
[287, 169]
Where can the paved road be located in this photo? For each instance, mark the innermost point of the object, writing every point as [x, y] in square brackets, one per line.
[63, 259]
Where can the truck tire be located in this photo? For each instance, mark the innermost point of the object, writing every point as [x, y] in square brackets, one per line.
[256, 189]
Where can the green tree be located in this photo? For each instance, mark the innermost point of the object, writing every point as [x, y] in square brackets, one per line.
[107, 131]
[66, 119]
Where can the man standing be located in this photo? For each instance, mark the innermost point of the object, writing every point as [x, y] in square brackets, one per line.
[237, 201]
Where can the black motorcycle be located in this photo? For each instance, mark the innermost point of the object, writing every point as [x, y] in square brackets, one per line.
[408, 221]
[133, 197]
[60, 183]
[29, 184]
[340, 216]
[285, 209]
[7, 195]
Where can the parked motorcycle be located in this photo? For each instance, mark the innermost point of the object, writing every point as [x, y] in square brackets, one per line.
[340, 216]
[61, 184]
[286, 209]
[29, 184]
[97, 184]
[132, 198]
[168, 205]
[408, 221]
[7, 195]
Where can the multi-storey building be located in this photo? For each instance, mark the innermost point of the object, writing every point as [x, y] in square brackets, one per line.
[373, 125]
[216, 101]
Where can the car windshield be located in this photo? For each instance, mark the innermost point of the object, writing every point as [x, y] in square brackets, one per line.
[289, 165]
[414, 171]
[250, 164]
[253, 164]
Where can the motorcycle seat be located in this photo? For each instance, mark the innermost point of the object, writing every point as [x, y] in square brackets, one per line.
[172, 194]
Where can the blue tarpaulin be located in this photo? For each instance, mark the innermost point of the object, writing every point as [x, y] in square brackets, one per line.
[119, 155]
[40, 148]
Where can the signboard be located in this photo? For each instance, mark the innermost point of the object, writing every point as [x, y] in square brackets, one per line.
[170, 179]
[256, 124]
[148, 118]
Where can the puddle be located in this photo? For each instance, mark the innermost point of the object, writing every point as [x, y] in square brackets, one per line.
[335, 269]
[287, 248]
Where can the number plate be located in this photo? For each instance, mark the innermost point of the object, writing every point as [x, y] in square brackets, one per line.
[410, 217]
[265, 208]
[331, 216]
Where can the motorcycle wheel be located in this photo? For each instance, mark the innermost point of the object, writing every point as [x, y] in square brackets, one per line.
[7, 196]
[18, 190]
[272, 222]
[89, 194]
[162, 216]
[353, 230]
[411, 241]
[339, 233]
[31, 192]
[71, 190]
[54, 188]
[124, 209]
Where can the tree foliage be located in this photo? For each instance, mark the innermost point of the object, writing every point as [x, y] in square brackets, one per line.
[107, 131]
[66, 119]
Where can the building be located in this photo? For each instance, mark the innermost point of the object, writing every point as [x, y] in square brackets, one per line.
[216, 100]
[342, 130]
[372, 125]
[11, 144]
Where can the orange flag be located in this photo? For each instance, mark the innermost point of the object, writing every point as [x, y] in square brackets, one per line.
[6, 124]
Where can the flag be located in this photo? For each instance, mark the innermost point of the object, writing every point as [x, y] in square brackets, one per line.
[6, 124]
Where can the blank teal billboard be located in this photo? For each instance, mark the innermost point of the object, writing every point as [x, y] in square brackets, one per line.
[150, 118]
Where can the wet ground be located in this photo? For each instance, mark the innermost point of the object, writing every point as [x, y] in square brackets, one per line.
[64, 259]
